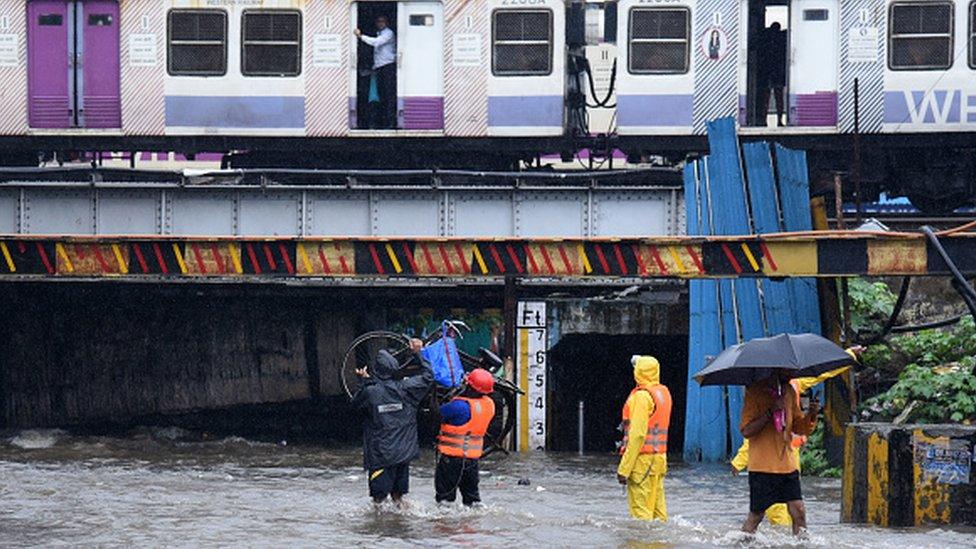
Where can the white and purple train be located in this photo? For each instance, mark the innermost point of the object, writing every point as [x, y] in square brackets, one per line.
[495, 81]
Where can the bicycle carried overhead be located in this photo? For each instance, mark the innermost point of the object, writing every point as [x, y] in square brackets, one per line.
[450, 366]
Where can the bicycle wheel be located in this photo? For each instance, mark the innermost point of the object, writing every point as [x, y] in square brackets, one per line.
[362, 353]
[504, 421]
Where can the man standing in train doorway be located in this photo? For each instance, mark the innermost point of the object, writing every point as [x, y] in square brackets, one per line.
[384, 70]
[644, 450]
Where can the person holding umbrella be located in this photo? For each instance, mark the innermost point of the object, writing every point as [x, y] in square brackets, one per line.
[771, 412]
[771, 415]
[777, 513]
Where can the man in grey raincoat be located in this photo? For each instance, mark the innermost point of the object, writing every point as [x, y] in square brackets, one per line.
[390, 432]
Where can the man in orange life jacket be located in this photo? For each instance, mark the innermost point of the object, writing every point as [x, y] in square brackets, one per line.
[644, 459]
[464, 421]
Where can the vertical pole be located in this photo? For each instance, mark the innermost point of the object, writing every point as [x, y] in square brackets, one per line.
[857, 151]
[581, 428]
[841, 225]
[509, 312]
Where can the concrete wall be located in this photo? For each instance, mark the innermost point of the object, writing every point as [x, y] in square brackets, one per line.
[909, 475]
[76, 355]
[113, 353]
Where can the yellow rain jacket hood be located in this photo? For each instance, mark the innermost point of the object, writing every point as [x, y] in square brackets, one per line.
[644, 472]
[647, 370]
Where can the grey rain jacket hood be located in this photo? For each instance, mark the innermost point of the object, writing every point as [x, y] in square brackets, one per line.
[390, 409]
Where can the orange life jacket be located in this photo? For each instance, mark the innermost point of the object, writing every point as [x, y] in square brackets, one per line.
[656, 440]
[467, 440]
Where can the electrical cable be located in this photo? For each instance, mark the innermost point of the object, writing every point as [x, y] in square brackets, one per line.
[959, 281]
[899, 303]
[958, 229]
[927, 326]
[613, 79]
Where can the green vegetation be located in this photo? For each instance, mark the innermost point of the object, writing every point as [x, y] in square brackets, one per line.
[813, 456]
[931, 369]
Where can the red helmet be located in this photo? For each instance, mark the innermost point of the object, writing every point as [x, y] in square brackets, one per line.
[481, 380]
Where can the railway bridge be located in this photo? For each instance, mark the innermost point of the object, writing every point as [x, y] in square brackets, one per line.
[139, 297]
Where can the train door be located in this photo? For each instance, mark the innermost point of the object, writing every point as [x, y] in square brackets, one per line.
[100, 105]
[420, 61]
[814, 45]
[767, 57]
[73, 64]
[50, 104]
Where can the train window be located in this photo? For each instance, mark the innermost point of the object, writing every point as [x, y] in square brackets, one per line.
[659, 41]
[816, 15]
[272, 44]
[521, 42]
[197, 42]
[50, 20]
[921, 36]
[972, 35]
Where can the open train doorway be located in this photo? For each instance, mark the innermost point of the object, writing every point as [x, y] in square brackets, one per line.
[596, 369]
[767, 24]
[399, 76]
[376, 72]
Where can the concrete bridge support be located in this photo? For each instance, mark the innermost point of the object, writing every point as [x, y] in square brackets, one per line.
[909, 475]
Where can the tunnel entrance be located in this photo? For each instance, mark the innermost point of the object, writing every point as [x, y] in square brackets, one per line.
[595, 368]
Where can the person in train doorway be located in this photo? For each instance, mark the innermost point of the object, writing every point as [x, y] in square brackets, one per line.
[644, 449]
[460, 444]
[772, 72]
[390, 404]
[384, 70]
[778, 514]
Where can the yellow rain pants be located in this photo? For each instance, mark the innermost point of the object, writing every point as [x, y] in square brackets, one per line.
[645, 488]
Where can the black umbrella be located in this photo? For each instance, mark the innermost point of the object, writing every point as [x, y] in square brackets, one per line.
[746, 363]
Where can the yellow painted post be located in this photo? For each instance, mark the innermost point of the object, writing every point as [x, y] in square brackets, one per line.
[847, 482]
[524, 385]
[878, 479]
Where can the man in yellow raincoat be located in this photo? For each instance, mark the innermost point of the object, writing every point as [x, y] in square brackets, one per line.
[644, 460]
[777, 513]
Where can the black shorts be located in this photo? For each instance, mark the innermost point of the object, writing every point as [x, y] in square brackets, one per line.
[394, 479]
[765, 489]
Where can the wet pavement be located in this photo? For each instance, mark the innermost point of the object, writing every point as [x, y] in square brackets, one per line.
[168, 487]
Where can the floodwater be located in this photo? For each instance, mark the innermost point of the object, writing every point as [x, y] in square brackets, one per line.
[168, 487]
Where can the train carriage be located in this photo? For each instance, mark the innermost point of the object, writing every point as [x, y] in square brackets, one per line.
[495, 79]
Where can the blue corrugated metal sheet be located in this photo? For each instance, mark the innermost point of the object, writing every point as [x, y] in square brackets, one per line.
[777, 302]
[726, 312]
[741, 310]
[794, 191]
[705, 414]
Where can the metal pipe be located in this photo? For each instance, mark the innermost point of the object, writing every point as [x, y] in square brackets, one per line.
[574, 174]
[216, 186]
[581, 406]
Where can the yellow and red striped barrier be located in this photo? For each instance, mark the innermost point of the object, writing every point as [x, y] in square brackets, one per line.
[812, 254]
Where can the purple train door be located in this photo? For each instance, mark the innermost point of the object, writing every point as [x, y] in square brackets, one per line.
[48, 65]
[99, 26]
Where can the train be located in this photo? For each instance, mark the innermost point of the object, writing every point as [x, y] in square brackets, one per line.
[883, 89]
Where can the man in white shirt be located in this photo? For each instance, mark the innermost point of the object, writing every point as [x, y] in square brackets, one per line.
[384, 67]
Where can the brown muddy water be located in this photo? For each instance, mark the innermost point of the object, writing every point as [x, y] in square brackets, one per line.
[169, 487]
